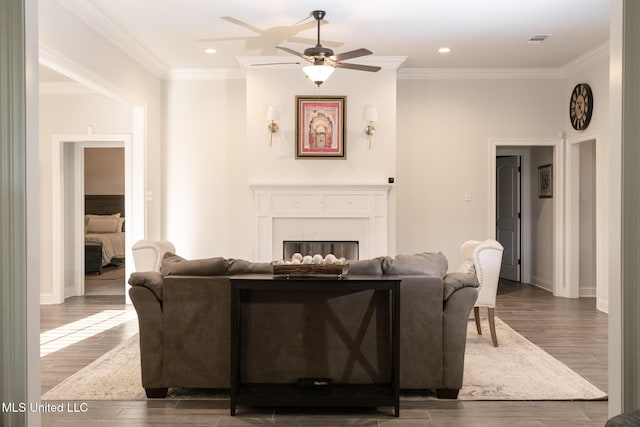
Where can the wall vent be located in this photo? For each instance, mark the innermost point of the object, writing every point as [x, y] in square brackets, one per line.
[538, 38]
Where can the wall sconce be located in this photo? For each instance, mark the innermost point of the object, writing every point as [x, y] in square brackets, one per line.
[370, 115]
[272, 116]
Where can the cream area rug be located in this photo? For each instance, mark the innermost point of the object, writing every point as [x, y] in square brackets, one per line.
[516, 370]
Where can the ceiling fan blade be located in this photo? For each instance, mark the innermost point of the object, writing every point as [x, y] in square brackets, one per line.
[358, 67]
[351, 54]
[291, 51]
[276, 63]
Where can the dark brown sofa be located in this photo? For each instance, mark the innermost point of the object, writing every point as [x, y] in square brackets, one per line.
[184, 322]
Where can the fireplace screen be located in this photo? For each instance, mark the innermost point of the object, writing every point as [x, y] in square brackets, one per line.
[340, 248]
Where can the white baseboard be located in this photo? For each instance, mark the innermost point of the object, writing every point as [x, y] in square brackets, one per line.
[542, 283]
[588, 292]
[47, 299]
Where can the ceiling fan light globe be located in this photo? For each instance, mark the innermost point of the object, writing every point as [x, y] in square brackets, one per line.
[318, 73]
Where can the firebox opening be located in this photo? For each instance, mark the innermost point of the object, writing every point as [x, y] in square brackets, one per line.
[340, 248]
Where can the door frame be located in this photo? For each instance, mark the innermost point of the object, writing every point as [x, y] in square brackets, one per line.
[572, 236]
[79, 142]
[559, 285]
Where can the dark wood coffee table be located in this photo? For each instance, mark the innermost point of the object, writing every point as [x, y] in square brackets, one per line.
[292, 395]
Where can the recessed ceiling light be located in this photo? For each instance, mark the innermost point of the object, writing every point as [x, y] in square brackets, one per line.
[444, 50]
[210, 50]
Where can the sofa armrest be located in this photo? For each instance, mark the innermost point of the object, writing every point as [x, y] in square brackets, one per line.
[149, 311]
[151, 280]
[455, 320]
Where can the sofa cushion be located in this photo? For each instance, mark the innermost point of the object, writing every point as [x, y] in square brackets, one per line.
[456, 280]
[366, 266]
[426, 263]
[151, 280]
[241, 266]
[175, 265]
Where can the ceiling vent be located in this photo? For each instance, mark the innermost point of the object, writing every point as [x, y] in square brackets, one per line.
[538, 38]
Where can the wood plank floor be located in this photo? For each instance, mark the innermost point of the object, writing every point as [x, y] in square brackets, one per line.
[572, 330]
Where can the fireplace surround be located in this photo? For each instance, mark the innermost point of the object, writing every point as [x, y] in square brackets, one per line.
[349, 212]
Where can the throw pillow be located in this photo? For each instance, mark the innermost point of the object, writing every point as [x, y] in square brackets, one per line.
[151, 280]
[366, 266]
[175, 265]
[426, 263]
[456, 281]
[240, 266]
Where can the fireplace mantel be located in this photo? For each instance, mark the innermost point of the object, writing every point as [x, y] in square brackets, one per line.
[319, 212]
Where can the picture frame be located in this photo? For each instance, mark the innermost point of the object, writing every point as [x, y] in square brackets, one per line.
[545, 181]
[320, 127]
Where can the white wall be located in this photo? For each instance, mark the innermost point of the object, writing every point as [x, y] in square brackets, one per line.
[588, 260]
[542, 254]
[217, 145]
[104, 171]
[205, 170]
[444, 126]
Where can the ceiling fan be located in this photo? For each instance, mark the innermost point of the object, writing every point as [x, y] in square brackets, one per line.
[324, 61]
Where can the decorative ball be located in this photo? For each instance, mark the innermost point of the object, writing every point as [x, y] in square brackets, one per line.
[297, 256]
[288, 262]
[317, 259]
[295, 261]
[307, 260]
[279, 262]
[330, 259]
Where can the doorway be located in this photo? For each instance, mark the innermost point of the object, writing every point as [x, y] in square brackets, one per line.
[68, 233]
[508, 215]
[547, 253]
[103, 191]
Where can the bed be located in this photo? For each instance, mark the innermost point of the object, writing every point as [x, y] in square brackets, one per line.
[104, 240]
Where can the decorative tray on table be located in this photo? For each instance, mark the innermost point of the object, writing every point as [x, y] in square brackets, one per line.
[310, 270]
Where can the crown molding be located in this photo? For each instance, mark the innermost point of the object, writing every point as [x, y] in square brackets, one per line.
[64, 88]
[597, 54]
[204, 74]
[95, 19]
[478, 73]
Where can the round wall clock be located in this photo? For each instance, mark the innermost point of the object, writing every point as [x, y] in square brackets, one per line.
[581, 106]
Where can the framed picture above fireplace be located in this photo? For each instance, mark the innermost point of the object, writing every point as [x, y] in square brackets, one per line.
[320, 127]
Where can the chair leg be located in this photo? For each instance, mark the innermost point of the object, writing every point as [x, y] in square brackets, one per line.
[476, 315]
[492, 326]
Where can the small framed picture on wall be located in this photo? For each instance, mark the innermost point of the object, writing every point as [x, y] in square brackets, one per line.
[320, 127]
[545, 181]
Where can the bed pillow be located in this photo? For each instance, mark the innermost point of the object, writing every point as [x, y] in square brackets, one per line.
[175, 265]
[104, 225]
[88, 216]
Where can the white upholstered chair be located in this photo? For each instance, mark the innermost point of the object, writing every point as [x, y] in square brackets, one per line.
[147, 254]
[486, 258]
